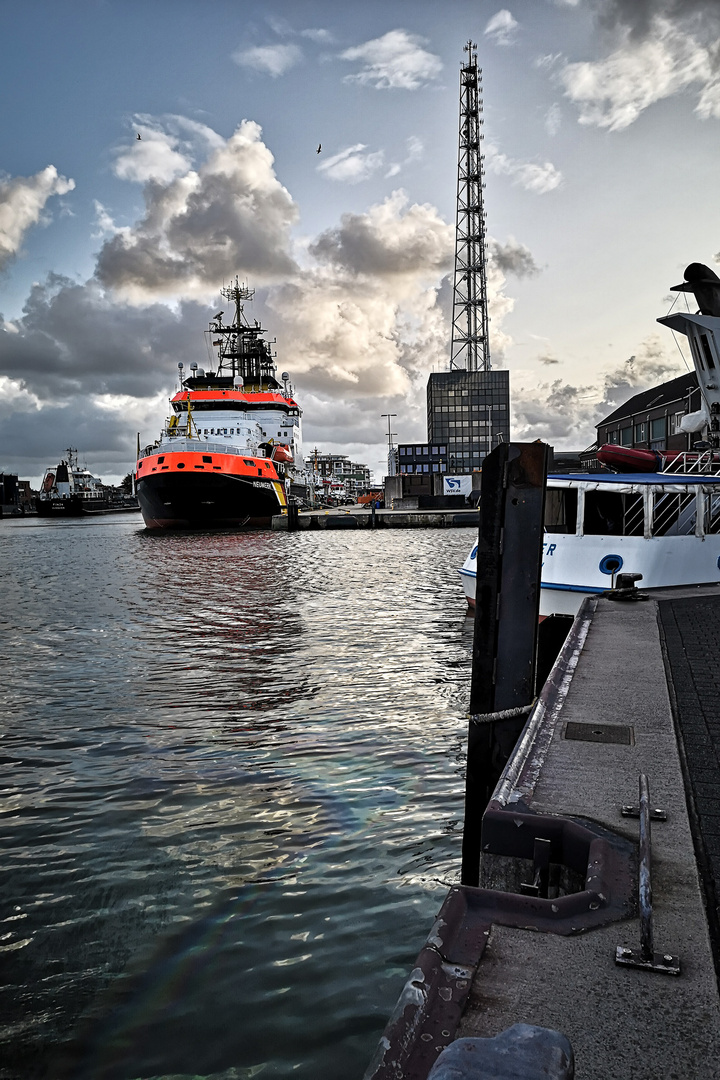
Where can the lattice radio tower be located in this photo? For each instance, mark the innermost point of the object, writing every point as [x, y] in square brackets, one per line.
[470, 348]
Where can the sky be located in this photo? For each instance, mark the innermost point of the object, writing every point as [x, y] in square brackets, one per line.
[601, 126]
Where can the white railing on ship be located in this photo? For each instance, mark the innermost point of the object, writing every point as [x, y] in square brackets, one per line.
[705, 462]
[196, 444]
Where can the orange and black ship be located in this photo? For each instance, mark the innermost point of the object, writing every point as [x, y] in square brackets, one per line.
[231, 451]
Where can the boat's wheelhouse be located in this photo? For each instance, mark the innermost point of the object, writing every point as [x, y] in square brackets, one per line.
[645, 506]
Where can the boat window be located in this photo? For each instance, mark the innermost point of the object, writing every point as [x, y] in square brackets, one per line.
[613, 513]
[674, 514]
[161, 459]
[707, 351]
[712, 524]
[561, 510]
[206, 457]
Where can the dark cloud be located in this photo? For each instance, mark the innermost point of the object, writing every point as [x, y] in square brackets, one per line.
[390, 239]
[513, 258]
[637, 16]
[75, 339]
[566, 414]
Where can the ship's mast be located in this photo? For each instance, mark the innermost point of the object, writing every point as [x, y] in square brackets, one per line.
[470, 348]
[244, 352]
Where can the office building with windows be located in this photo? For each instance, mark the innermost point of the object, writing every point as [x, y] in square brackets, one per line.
[468, 412]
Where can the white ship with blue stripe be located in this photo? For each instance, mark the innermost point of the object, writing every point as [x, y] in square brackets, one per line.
[663, 525]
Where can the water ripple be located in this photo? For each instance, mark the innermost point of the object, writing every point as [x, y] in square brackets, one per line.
[230, 793]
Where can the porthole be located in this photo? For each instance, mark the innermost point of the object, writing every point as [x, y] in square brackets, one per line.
[181, 465]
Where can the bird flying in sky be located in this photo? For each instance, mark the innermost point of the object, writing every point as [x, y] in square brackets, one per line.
[319, 148]
[139, 135]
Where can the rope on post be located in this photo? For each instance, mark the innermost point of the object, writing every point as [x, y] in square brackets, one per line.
[504, 714]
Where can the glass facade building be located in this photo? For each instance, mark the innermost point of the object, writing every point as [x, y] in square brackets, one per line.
[469, 414]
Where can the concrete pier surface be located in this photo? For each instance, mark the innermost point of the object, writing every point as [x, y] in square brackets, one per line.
[550, 938]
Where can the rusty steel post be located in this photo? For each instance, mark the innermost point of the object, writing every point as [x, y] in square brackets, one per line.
[507, 599]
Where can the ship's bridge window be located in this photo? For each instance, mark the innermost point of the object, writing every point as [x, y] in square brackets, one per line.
[674, 513]
[613, 513]
[561, 510]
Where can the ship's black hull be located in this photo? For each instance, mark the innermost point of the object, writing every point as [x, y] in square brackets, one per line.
[72, 507]
[187, 501]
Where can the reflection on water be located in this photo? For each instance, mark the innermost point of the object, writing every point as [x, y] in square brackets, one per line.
[232, 779]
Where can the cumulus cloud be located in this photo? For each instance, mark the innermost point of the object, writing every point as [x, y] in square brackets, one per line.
[230, 215]
[501, 28]
[538, 178]
[166, 148]
[272, 60]
[658, 49]
[360, 326]
[365, 320]
[152, 157]
[397, 60]
[352, 165]
[22, 202]
[566, 414]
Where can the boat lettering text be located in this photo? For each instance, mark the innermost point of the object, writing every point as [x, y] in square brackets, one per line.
[549, 549]
[262, 483]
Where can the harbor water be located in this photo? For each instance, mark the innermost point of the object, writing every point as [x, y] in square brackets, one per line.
[231, 793]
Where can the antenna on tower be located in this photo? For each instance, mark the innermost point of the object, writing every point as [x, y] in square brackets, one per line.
[470, 347]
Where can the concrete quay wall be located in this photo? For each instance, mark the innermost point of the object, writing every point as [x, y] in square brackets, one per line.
[608, 713]
[383, 519]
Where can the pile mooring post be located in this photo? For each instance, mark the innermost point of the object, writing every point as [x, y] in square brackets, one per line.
[507, 600]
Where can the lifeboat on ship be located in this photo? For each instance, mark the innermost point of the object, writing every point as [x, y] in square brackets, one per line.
[625, 459]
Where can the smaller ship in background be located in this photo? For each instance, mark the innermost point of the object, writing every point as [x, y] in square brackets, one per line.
[70, 489]
[230, 454]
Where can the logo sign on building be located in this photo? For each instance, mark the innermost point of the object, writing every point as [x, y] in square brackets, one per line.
[457, 485]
